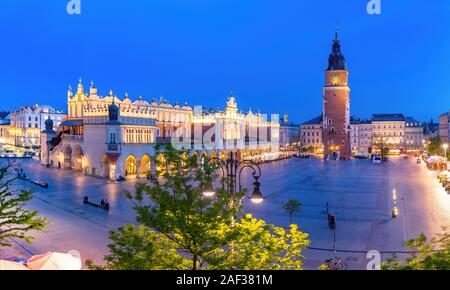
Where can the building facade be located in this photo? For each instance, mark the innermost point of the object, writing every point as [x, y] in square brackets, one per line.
[361, 138]
[336, 106]
[102, 136]
[289, 134]
[114, 138]
[389, 132]
[395, 132]
[444, 128]
[247, 135]
[29, 121]
[414, 136]
[5, 128]
[311, 134]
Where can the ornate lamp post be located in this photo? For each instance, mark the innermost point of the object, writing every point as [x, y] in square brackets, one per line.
[231, 171]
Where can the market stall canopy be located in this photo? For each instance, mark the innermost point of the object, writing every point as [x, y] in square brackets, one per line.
[54, 261]
[11, 266]
[435, 159]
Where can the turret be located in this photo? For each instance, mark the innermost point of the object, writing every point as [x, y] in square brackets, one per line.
[93, 90]
[285, 118]
[69, 93]
[80, 89]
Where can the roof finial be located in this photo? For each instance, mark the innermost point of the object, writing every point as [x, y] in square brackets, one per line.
[336, 37]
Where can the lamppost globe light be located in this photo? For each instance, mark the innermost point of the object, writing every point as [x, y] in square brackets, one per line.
[209, 191]
[445, 146]
[257, 196]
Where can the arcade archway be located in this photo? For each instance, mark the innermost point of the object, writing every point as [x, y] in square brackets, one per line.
[130, 166]
[145, 166]
[67, 165]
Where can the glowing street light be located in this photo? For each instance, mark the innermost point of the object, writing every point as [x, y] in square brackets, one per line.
[209, 191]
[445, 154]
[395, 212]
[232, 170]
[257, 197]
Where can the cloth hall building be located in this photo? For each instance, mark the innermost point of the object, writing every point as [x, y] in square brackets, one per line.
[112, 138]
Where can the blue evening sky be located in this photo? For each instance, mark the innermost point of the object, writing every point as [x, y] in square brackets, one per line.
[270, 53]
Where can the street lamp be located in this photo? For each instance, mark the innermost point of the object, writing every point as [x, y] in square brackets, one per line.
[257, 196]
[445, 153]
[209, 191]
[231, 171]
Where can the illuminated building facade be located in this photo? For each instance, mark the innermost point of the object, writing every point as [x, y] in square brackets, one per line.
[103, 136]
[361, 137]
[311, 134]
[248, 135]
[289, 135]
[114, 138]
[389, 132]
[414, 135]
[5, 128]
[29, 121]
[444, 127]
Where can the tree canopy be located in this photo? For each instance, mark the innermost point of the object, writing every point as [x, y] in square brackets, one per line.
[15, 220]
[431, 254]
[181, 228]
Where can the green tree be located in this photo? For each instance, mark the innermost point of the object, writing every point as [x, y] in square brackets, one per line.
[292, 207]
[428, 255]
[140, 248]
[179, 210]
[15, 220]
[190, 231]
[435, 147]
[381, 143]
[260, 246]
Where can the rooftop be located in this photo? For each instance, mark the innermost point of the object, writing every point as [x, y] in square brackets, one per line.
[411, 122]
[4, 115]
[388, 117]
[315, 121]
[359, 121]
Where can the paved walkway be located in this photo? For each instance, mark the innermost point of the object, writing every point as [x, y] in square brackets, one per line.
[359, 192]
